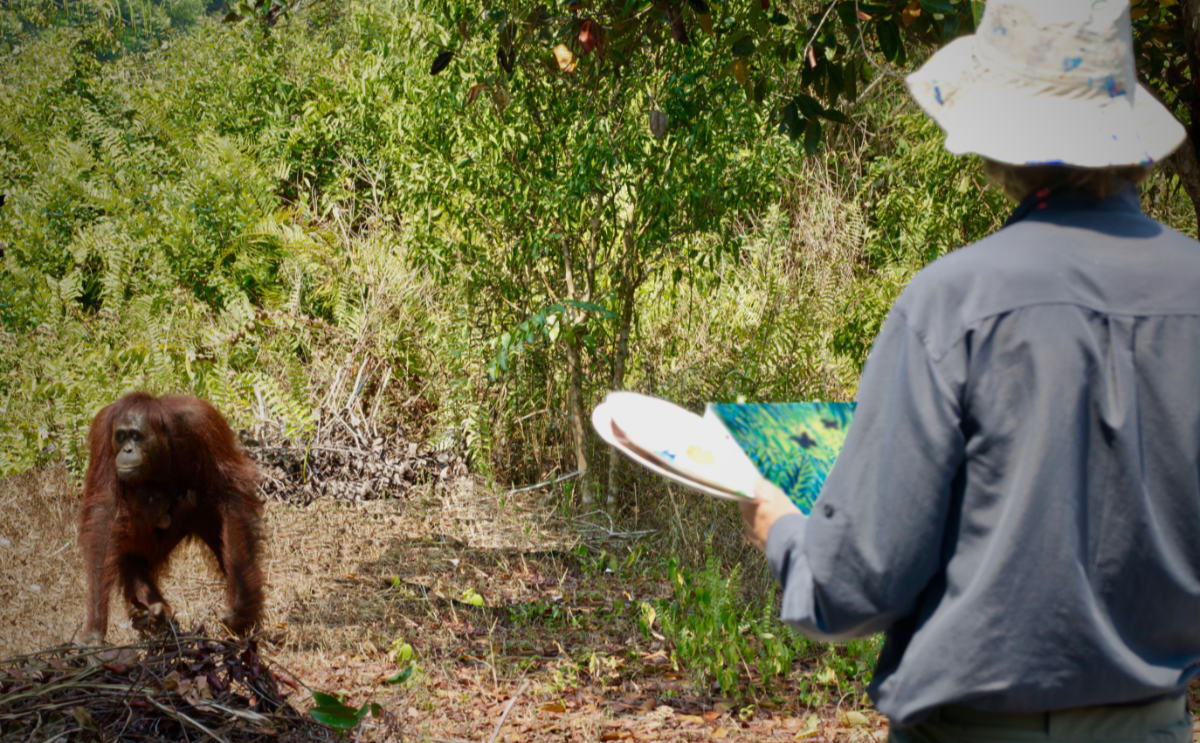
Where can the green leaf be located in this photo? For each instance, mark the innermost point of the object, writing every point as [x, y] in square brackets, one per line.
[889, 39]
[790, 119]
[976, 10]
[591, 307]
[744, 46]
[836, 116]
[808, 105]
[937, 6]
[401, 676]
[812, 136]
[326, 700]
[344, 719]
[440, 61]
[846, 12]
[330, 711]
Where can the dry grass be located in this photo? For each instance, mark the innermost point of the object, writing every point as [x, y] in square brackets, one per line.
[554, 652]
[329, 617]
[317, 559]
[41, 585]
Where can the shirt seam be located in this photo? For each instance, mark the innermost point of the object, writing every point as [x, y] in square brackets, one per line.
[968, 324]
[933, 359]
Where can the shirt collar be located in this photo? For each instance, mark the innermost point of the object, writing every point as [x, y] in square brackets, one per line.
[1068, 199]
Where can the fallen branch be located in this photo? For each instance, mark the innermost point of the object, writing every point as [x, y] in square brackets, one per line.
[508, 708]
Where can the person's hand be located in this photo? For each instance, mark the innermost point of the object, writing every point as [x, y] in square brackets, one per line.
[759, 514]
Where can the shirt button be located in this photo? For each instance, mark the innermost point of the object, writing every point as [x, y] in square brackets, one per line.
[828, 511]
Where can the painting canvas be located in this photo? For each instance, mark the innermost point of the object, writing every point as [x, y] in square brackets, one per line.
[793, 444]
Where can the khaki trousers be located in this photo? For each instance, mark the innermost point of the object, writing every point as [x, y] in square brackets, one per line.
[1165, 721]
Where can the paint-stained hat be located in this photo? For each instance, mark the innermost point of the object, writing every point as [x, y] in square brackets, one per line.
[1046, 82]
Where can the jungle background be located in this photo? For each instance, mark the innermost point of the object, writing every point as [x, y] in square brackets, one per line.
[405, 246]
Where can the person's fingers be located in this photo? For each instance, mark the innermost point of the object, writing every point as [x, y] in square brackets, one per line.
[765, 490]
[748, 509]
[760, 514]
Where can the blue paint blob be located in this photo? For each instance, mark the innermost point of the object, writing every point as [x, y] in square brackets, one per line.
[937, 95]
[999, 29]
[1113, 87]
[1071, 63]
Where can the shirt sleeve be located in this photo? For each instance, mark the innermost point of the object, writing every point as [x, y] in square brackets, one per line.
[874, 539]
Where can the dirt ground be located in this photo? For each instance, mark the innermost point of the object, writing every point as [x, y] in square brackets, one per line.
[511, 636]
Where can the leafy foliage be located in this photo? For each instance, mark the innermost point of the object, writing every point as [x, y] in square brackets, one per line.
[107, 27]
[144, 248]
[242, 215]
[582, 184]
[739, 647]
[330, 710]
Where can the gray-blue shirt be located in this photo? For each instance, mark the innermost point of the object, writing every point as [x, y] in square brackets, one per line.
[1018, 500]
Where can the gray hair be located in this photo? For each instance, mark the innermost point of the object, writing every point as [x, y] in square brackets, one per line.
[1018, 181]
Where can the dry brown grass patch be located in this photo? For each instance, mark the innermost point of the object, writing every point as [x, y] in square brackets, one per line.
[40, 578]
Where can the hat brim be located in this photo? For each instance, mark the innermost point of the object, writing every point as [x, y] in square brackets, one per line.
[1017, 121]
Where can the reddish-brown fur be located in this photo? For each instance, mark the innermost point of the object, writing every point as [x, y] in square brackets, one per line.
[206, 491]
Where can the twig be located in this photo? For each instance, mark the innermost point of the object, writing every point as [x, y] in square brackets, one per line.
[553, 481]
[867, 90]
[387, 377]
[181, 716]
[862, 42]
[247, 715]
[350, 429]
[358, 383]
[262, 405]
[610, 531]
[527, 416]
[508, 708]
[820, 25]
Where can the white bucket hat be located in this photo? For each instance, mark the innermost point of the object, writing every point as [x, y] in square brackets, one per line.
[1046, 82]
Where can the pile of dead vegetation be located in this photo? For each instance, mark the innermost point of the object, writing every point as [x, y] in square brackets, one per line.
[350, 457]
[165, 688]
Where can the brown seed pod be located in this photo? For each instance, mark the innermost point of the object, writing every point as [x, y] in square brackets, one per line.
[658, 124]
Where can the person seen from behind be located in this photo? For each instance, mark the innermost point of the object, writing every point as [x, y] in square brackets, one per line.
[1017, 505]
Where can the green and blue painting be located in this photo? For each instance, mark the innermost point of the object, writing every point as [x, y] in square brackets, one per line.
[792, 444]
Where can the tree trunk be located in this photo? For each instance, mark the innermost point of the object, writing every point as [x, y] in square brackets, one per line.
[1185, 162]
[575, 410]
[575, 414]
[629, 284]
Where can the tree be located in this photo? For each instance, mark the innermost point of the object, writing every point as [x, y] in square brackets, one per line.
[843, 47]
[577, 168]
[107, 27]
